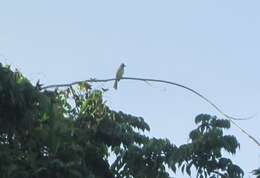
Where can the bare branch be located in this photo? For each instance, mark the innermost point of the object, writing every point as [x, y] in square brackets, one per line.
[93, 80]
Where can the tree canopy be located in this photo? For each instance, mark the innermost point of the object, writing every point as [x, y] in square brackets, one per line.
[72, 133]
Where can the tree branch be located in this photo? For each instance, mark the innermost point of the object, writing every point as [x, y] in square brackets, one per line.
[94, 80]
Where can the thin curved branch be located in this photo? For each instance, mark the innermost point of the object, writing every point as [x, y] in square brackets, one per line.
[93, 80]
[195, 92]
[151, 80]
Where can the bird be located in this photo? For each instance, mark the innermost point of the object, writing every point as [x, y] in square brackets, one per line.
[38, 85]
[119, 74]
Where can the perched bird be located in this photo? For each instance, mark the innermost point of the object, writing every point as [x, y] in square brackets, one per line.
[119, 74]
[38, 85]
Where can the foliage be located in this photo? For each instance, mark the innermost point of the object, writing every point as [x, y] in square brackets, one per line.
[205, 150]
[72, 133]
[256, 172]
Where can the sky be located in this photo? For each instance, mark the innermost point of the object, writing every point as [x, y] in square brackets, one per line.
[211, 46]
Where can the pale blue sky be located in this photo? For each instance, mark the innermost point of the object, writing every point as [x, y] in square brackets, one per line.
[212, 46]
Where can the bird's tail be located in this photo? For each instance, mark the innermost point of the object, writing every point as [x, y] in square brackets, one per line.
[115, 85]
